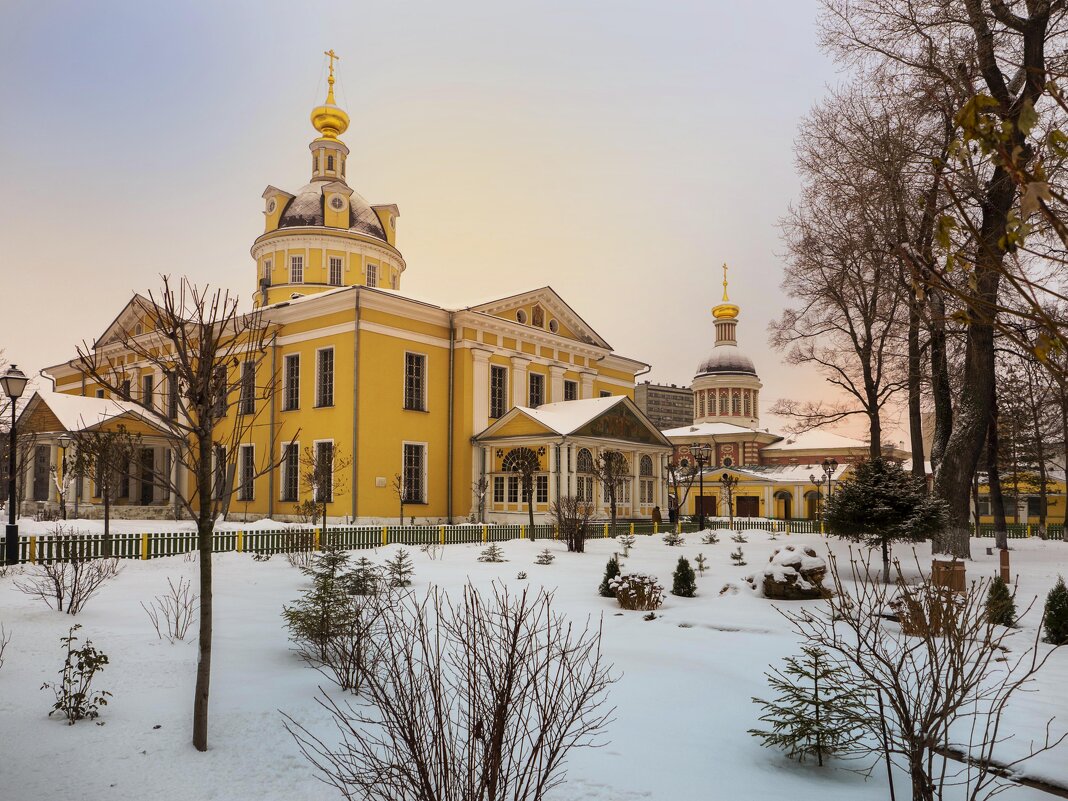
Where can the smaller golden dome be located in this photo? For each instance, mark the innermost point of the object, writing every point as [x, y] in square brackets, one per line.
[328, 119]
[725, 311]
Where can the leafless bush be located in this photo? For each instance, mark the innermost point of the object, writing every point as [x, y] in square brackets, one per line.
[5, 638]
[477, 700]
[347, 654]
[936, 685]
[299, 547]
[72, 577]
[638, 591]
[573, 521]
[173, 612]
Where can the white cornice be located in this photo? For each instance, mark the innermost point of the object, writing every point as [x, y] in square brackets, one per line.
[319, 237]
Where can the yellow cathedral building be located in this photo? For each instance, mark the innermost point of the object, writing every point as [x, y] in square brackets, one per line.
[447, 399]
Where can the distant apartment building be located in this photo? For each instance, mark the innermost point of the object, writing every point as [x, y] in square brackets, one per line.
[667, 405]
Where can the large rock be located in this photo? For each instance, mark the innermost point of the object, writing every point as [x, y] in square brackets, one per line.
[795, 573]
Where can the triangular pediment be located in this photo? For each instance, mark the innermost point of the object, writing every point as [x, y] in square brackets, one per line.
[624, 421]
[517, 423]
[543, 309]
[135, 313]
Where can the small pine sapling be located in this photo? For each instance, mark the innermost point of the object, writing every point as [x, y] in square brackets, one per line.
[674, 539]
[1056, 614]
[522, 575]
[814, 714]
[365, 578]
[399, 570]
[323, 609]
[545, 557]
[709, 538]
[739, 537]
[683, 581]
[75, 698]
[611, 570]
[701, 562]
[492, 553]
[627, 541]
[737, 557]
[1000, 604]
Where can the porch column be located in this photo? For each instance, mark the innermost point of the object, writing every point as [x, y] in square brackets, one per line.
[556, 383]
[586, 387]
[519, 381]
[798, 505]
[554, 473]
[769, 503]
[480, 388]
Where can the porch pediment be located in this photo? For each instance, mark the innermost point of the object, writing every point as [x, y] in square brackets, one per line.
[615, 418]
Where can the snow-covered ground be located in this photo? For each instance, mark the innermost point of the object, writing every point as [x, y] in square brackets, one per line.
[682, 704]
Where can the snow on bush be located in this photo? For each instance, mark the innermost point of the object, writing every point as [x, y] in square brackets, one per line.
[793, 572]
[638, 591]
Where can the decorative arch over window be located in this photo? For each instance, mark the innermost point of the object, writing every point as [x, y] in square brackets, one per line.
[584, 462]
[584, 480]
[645, 466]
[520, 460]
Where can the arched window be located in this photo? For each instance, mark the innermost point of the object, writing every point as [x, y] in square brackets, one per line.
[701, 406]
[520, 460]
[584, 480]
[736, 403]
[748, 403]
[723, 403]
[645, 466]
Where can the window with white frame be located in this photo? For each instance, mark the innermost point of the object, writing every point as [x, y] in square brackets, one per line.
[584, 480]
[323, 478]
[247, 402]
[605, 393]
[498, 391]
[570, 390]
[748, 404]
[645, 471]
[372, 275]
[296, 269]
[536, 386]
[498, 489]
[736, 403]
[415, 381]
[247, 472]
[290, 471]
[335, 270]
[267, 272]
[324, 377]
[291, 382]
[414, 475]
[723, 404]
[513, 489]
[541, 489]
[147, 387]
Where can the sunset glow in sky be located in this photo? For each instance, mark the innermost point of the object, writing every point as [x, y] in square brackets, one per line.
[618, 151]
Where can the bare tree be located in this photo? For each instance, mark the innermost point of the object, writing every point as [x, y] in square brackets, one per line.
[680, 475]
[941, 675]
[102, 456]
[199, 339]
[482, 699]
[524, 463]
[572, 520]
[610, 468]
[324, 470]
[398, 490]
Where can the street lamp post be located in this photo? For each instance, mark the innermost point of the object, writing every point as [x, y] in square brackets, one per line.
[65, 440]
[829, 466]
[702, 454]
[13, 382]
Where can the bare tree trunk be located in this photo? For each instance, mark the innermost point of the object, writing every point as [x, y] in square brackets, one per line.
[205, 530]
[1062, 385]
[941, 391]
[993, 482]
[919, 469]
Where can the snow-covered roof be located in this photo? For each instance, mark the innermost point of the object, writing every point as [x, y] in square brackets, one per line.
[711, 430]
[790, 473]
[76, 413]
[565, 417]
[816, 439]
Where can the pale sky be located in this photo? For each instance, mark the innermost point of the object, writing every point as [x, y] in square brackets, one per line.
[618, 151]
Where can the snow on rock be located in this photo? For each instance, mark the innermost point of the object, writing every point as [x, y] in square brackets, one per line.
[794, 573]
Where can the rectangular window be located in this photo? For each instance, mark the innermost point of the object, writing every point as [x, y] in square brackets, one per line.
[296, 269]
[172, 395]
[1034, 506]
[124, 480]
[291, 383]
[414, 473]
[415, 381]
[146, 390]
[647, 490]
[513, 489]
[247, 404]
[266, 280]
[536, 386]
[247, 466]
[723, 404]
[100, 393]
[498, 391]
[736, 404]
[984, 506]
[124, 389]
[748, 404]
[570, 390]
[219, 480]
[605, 393]
[323, 485]
[372, 275]
[324, 378]
[290, 471]
[330, 163]
[335, 271]
[498, 489]
[168, 470]
[221, 391]
[541, 489]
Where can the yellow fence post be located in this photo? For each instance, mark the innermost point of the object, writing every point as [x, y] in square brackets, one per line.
[656, 528]
[606, 530]
[522, 532]
[240, 541]
[556, 531]
[483, 532]
[443, 535]
[33, 550]
[385, 535]
[1028, 529]
[144, 546]
[318, 539]
[632, 529]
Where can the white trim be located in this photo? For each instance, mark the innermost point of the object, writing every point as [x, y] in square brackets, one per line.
[315, 456]
[404, 378]
[285, 381]
[282, 471]
[400, 333]
[315, 389]
[292, 264]
[318, 333]
[241, 470]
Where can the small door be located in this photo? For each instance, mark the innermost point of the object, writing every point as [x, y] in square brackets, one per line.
[705, 505]
[147, 476]
[41, 464]
[747, 506]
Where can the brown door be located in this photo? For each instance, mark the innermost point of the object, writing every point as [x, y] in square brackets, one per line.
[41, 466]
[705, 505]
[147, 476]
[747, 506]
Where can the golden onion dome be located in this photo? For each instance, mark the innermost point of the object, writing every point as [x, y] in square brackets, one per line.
[329, 119]
[725, 311]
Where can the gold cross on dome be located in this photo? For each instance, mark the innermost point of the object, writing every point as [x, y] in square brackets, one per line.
[725, 281]
[332, 56]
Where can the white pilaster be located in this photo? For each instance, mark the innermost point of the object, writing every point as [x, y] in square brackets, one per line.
[586, 387]
[480, 388]
[556, 383]
[519, 381]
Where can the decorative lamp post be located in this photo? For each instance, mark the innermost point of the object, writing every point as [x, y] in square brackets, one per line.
[14, 383]
[829, 466]
[702, 454]
[65, 441]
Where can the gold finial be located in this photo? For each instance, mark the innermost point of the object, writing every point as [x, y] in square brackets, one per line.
[725, 298]
[725, 310]
[330, 80]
